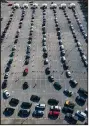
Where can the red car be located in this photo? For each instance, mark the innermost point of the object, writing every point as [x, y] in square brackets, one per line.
[9, 4]
[26, 70]
[54, 113]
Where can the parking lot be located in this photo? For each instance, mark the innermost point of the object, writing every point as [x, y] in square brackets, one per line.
[36, 68]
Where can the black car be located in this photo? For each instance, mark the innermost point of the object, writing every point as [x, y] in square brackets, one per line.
[45, 55]
[51, 78]
[4, 84]
[47, 70]
[67, 110]
[27, 56]
[14, 102]
[25, 85]
[23, 113]
[8, 111]
[53, 102]
[84, 92]
[26, 105]
[26, 61]
[73, 82]
[71, 118]
[35, 98]
[45, 61]
[81, 99]
[57, 85]
[65, 66]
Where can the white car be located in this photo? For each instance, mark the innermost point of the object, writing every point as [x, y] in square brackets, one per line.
[63, 59]
[16, 5]
[40, 106]
[25, 5]
[35, 5]
[58, 108]
[6, 93]
[81, 114]
[72, 5]
[68, 73]
[62, 47]
[54, 5]
[44, 5]
[84, 58]
[63, 5]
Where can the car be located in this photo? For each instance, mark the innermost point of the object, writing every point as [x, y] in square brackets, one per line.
[51, 78]
[81, 99]
[57, 85]
[10, 61]
[47, 70]
[16, 5]
[35, 98]
[63, 6]
[40, 106]
[34, 6]
[72, 119]
[25, 5]
[69, 104]
[86, 111]
[26, 71]
[63, 59]
[38, 113]
[68, 73]
[73, 82]
[68, 92]
[80, 114]
[4, 84]
[67, 110]
[6, 94]
[55, 108]
[65, 65]
[61, 47]
[44, 49]
[63, 53]
[46, 61]
[23, 113]
[26, 105]
[26, 61]
[52, 101]
[25, 85]
[84, 58]
[84, 92]
[53, 113]
[72, 5]
[45, 55]
[7, 69]
[27, 56]
[13, 102]
[9, 111]
[6, 75]
[53, 5]
[44, 6]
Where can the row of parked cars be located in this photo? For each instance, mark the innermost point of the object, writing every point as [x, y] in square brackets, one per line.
[4, 85]
[27, 57]
[45, 53]
[72, 81]
[80, 25]
[83, 57]
[7, 24]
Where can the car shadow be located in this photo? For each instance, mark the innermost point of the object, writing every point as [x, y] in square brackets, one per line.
[36, 116]
[52, 117]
